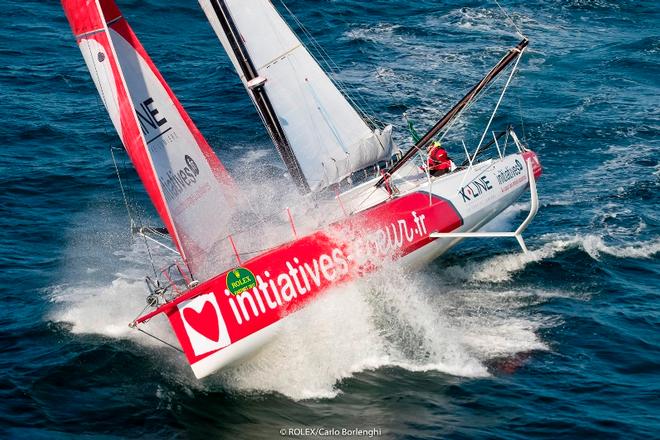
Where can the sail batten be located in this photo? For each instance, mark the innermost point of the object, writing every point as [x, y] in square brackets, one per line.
[327, 136]
[279, 57]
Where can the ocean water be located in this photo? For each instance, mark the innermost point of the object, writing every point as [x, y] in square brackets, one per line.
[484, 343]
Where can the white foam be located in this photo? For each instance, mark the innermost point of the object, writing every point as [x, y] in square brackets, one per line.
[321, 344]
[391, 319]
[380, 33]
[106, 310]
[502, 267]
[595, 246]
[93, 303]
[484, 20]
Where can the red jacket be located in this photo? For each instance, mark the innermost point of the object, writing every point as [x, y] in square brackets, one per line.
[439, 160]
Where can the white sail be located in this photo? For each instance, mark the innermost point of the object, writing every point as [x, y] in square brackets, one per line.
[327, 136]
[183, 177]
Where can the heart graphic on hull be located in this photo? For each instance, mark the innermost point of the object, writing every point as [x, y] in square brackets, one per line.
[205, 322]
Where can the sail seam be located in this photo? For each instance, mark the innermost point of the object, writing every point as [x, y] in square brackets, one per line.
[279, 57]
[89, 34]
[114, 20]
[99, 30]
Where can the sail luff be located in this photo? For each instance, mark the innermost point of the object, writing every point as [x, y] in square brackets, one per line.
[184, 179]
[88, 23]
[166, 215]
[258, 94]
[327, 136]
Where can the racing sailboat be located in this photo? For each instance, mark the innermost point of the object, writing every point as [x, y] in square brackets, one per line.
[223, 311]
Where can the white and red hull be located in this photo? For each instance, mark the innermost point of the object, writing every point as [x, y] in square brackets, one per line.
[216, 328]
[193, 195]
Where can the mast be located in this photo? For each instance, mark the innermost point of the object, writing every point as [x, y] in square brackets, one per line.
[262, 102]
[451, 114]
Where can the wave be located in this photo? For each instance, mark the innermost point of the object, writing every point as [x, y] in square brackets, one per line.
[595, 246]
[392, 319]
[487, 20]
[380, 33]
[397, 321]
[502, 268]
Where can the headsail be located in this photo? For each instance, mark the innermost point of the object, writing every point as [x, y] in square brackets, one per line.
[325, 134]
[182, 175]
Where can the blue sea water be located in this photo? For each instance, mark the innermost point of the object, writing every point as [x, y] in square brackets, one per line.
[484, 343]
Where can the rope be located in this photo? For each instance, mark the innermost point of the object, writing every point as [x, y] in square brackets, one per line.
[125, 193]
[141, 313]
[164, 246]
[136, 327]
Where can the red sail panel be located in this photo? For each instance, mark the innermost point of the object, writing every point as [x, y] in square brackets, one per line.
[184, 178]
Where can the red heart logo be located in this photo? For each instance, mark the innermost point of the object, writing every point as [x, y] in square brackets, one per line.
[204, 322]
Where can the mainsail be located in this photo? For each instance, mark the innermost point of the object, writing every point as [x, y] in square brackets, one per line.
[320, 136]
[182, 175]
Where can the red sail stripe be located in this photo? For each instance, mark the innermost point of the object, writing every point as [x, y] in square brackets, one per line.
[84, 17]
[88, 19]
[122, 28]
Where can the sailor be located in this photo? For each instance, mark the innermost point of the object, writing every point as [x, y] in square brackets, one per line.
[438, 161]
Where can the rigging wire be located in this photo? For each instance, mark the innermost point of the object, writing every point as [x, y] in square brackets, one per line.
[520, 34]
[484, 93]
[522, 123]
[513, 23]
[125, 192]
[335, 70]
[121, 186]
[105, 129]
[158, 339]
